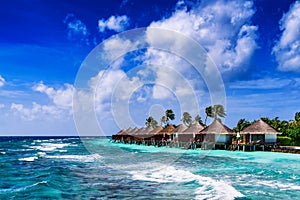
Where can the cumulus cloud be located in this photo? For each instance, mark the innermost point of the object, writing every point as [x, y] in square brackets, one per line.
[58, 108]
[2, 81]
[77, 30]
[287, 48]
[110, 82]
[36, 111]
[115, 23]
[223, 28]
[61, 97]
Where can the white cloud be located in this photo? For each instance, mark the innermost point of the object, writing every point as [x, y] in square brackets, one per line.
[59, 107]
[2, 81]
[36, 111]
[115, 23]
[2, 105]
[116, 47]
[223, 28]
[77, 30]
[110, 84]
[287, 49]
[61, 97]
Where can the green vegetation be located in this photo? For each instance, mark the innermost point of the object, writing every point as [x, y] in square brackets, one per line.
[150, 121]
[215, 112]
[199, 120]
[187, 119]
[284, 140]
[241, 125]
[169, 115]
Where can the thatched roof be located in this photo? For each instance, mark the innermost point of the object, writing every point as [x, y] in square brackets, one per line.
[126, 132]
[180, 128]
[217, 128]
[132, 131]
[121, 131]
[167, 130]
[155, 131]
[260, 127]
[148, 130]
[195, 128]
[139, 131]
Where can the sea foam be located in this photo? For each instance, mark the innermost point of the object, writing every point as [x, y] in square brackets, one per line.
[209, 188]
[77, 158]
[49, 146]
[28, 159]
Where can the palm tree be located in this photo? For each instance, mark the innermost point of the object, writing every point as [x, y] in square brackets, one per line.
[241, 125]
[150, 121]
[218, 110]
[208, 112]
[163, 120]
[199, 120]
[215, 112]
[297, 116]
[169, 115]
[187, 119]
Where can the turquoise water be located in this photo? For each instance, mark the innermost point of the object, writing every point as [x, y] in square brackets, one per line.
[71, 168]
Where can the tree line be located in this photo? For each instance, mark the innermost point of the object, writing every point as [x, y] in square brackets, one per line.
[214, 112]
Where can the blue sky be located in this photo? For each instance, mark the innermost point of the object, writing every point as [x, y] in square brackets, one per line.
[255, 47]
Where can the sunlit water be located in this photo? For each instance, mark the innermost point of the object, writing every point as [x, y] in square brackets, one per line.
[70, 168]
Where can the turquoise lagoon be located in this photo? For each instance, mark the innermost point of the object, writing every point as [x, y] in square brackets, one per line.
[95, 168]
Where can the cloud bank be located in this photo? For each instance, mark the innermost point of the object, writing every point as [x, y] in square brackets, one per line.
[223, 28]
[287, 48]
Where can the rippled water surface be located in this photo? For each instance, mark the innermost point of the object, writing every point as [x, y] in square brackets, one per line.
[93, 168]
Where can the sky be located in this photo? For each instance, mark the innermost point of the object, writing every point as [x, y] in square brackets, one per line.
[250, 51]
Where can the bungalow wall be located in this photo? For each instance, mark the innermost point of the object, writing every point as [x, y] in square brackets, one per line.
[222, 138]
[209, 138]
[186, 137]
[270, 138]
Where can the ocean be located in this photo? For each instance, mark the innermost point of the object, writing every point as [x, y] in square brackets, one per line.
[95, 168]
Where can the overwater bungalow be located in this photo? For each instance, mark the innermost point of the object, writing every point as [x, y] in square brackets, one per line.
[214, 134]
[118, 135]
[146, 133]
[164, 134]
[259, 132]
[156, 130]
[177, 131]
[139, 132]
[189, 134]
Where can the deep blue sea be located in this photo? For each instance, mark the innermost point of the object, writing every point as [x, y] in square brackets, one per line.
[95, 168]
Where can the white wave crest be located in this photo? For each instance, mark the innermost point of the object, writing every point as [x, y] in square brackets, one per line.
[279, 185]
[77, 158]
[28, 159]
[209, 189]
[50, 146]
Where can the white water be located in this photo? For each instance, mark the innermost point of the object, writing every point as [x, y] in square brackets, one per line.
[208, 187]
